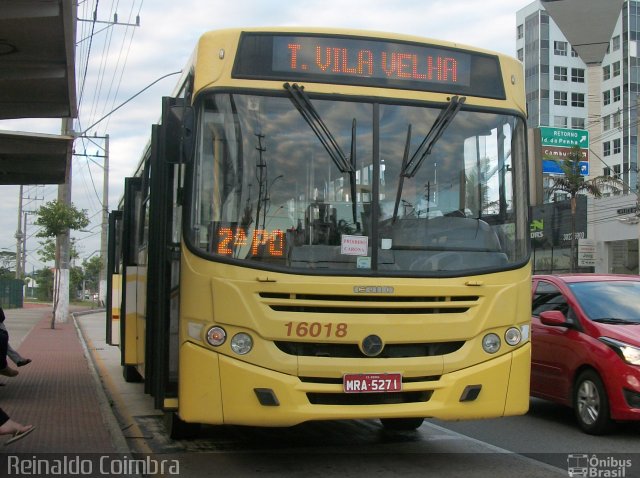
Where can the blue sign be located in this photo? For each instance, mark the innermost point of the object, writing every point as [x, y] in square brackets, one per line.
[552, 167]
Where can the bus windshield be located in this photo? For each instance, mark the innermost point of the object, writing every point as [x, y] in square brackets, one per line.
[298, 183]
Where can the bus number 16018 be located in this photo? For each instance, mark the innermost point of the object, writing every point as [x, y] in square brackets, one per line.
[316, 329]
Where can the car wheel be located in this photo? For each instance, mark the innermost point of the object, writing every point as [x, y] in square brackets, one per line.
[401, 424]
[591, 404]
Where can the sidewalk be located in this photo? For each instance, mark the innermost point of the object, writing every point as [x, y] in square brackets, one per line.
[59, 392]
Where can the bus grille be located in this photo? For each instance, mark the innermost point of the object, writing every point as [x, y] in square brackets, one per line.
[365, 304]
[368, 398]
[332, 350]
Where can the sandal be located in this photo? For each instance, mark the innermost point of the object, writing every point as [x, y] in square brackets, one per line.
[20, 434]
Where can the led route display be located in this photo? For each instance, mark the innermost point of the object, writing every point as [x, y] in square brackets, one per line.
[382, 63]
[370, 59]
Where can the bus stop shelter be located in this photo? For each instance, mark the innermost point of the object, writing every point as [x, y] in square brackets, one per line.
[37, 80]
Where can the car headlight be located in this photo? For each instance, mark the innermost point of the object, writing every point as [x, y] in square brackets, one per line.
[628, 353]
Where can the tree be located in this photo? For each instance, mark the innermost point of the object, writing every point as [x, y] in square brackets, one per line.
[44, 278]
[92, 268]
[47, 251]
[574, 183]
[55, 219]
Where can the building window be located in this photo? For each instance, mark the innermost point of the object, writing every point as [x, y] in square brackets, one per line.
[616, 94]
[606, 97]
[615, 43]
[606, 72]
[560, 73]
[616, 68]
[606, 171]
[606, 148]
[574, 54]
[577, 100]
[616, 146]
[520, 54]
[606, 123]
[560, 121]
[616, 171]
[560, 48]
[616, 119]
[520, 31]
[560, 98]
[577, 123]
[577, 75]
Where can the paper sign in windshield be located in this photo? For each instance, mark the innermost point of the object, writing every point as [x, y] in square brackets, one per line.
[354, 245]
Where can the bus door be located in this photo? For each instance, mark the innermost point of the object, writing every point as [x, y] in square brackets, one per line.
[114, 278]
[164, 224]
[129, 310]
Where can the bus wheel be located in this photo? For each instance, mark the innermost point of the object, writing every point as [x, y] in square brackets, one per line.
[591, 404]
[130, 374]
[401, 424]
[178, 429]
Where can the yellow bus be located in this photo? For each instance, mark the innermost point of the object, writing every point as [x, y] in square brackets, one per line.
[329, 224]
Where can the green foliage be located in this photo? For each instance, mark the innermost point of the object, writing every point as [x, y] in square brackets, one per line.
[47, 251]
[76, 276]
[92, 269]
[44, 279]
[56, 218]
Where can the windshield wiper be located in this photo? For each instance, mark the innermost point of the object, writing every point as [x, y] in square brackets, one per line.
[613, 320]
[352, 176]
[303, 104]
[405, 160]
[439, 126]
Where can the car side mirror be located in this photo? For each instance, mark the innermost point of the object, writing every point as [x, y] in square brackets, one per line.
[553, 318]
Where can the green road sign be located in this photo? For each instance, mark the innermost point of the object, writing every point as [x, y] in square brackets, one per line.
[564, 137]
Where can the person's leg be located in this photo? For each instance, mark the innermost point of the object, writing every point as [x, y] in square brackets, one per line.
[4, 367]
[4, 418]
[13, 428]
[4, 343]
[15, 356]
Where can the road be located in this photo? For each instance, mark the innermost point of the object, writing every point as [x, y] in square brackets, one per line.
[549, 433]
[542, 443]
[339, 448]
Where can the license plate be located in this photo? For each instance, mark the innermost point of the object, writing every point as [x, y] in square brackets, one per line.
[371, 382]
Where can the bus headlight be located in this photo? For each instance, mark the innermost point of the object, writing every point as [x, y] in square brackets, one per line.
[512, 336]
[491, 343]
[216, 336]
[241, 343]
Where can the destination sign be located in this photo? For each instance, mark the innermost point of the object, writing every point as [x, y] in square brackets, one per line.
[368, 62]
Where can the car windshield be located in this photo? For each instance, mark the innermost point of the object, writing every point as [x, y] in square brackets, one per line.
[609, 301]
[293, 182]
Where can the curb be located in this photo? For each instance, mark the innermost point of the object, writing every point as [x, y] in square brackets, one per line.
[106, 409]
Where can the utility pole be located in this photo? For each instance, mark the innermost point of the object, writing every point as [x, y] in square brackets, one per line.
[102, 289]
[61, 283]
[19, 238]
[102, 283]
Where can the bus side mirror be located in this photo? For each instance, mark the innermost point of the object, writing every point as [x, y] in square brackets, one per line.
[180, 128]
[188, 133]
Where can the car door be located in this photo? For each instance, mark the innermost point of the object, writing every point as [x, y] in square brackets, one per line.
[551, 345]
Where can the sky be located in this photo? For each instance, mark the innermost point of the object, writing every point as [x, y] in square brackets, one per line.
[116, 62]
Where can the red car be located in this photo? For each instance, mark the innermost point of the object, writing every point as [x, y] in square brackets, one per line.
[586, 346]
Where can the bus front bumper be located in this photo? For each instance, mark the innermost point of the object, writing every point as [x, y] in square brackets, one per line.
[217, 389]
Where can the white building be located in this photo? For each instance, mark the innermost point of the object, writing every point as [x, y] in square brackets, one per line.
[582, 71]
